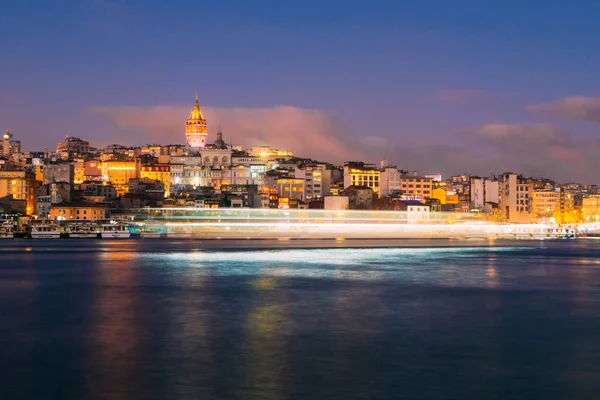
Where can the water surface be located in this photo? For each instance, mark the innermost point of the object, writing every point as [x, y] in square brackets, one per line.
[153, 319]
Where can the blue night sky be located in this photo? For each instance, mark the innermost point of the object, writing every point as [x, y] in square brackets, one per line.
[434, 86]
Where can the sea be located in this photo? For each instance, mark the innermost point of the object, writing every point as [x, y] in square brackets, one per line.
[258, 319]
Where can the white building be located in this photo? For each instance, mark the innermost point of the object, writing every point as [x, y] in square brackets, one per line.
[317, 180]
[215, 157]
[336, 203]
[483, 192]
[516, 199]
[389, 181]
[244, 175]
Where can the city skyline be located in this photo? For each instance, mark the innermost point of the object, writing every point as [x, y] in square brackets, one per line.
[502, 87]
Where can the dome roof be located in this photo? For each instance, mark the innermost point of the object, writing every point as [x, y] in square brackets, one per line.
[196, 113]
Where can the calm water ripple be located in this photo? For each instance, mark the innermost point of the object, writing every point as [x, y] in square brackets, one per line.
[253, 320]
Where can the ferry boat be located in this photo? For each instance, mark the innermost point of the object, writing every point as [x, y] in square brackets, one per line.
[153, 231]
[114, 231]
[45, 230]
[83, 231]
[7, 230]
[179, 232]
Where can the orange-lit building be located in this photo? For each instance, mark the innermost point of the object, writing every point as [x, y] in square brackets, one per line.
[158, 172]
[416, 186]
[291, 187]
[590, 209]
[77, 211]
[21, 185]
[79, 171]
[358, 173]
[119, 172]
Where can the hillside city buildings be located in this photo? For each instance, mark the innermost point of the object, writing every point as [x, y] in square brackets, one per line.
[79, 181]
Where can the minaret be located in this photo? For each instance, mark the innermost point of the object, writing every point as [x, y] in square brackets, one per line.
[195, 127]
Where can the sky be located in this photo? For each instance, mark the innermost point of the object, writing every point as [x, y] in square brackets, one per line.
[433, 86]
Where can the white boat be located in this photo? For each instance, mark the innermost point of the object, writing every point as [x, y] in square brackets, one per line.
[83, 231]
[45, 230]
[7, 230]
[114, 231]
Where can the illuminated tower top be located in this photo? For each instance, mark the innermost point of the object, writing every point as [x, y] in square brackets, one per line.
[195, 127]
[196, 113]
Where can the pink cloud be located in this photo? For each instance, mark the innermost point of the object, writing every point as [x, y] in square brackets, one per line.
[562, 154]
[310, 133]
[574, 108]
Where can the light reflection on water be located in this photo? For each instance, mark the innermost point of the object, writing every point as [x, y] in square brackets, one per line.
[141, 320]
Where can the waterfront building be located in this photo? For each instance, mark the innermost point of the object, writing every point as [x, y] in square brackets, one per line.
[195, 128]
[590, 209]
[317, 180]
[291, 188]
[357, 173]
[416, 187]
[516, 198]
[440, 194]
[360, 197]
[78, 211]
[569, 213]
[416, 211]
[389, 180]
[20, 185]
[546, 206]
[42, 206]
[483, 193]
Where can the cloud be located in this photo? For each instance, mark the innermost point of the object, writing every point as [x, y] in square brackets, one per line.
[574, 108]
[526, 135]
[308, 133]
[458, 96]
[532, 149]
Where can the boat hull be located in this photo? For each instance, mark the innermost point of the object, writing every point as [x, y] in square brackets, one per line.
[83, 235]
[115, 235]
[45, 235]
[150, 235]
